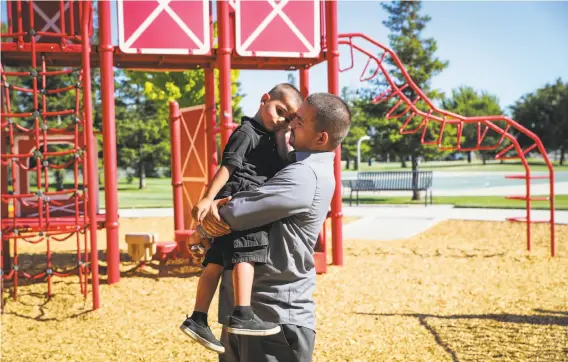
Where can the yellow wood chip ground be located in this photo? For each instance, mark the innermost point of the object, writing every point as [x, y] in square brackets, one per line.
[461, 291]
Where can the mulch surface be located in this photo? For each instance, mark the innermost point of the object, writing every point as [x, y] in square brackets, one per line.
[461, 291]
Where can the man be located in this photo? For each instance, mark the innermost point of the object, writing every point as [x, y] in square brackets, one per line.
[295, 201]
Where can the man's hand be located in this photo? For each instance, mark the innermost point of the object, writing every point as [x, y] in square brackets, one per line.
[212, 223]
[201, 209]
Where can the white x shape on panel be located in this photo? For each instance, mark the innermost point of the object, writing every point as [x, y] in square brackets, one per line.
[50, 23]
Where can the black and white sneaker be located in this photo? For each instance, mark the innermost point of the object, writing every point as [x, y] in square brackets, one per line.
[201, 335]
[251, 327]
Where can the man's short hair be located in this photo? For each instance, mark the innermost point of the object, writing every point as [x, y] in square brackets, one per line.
[286, 91]
[332, 115]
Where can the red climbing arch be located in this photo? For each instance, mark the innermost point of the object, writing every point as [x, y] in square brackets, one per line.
[422, 115]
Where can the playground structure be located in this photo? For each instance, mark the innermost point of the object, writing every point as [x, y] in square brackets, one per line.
[58, 34]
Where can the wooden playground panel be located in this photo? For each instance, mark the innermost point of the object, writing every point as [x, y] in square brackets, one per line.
[463, 291]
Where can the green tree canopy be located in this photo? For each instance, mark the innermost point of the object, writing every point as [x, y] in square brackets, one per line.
[417, 54]
[143, 126]
[468, 102]
[545, 112]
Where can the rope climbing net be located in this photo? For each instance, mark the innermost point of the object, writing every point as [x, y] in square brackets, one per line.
[44, 135]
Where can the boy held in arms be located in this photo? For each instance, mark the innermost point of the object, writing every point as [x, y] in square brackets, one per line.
[255, 152]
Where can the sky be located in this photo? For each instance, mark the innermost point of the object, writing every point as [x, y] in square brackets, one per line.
[507, 48]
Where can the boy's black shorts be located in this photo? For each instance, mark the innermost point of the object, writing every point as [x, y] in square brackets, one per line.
[239, 247]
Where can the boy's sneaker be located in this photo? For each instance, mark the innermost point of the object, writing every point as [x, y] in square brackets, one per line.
[251, 327]
[201, 335]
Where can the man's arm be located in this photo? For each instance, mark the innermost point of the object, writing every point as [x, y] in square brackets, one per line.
[289, 192]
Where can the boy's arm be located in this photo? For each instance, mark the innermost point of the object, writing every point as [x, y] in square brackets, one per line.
[219, 180]
[235, 150]
[289, 192]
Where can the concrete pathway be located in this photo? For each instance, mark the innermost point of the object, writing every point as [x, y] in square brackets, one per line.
[391, 222]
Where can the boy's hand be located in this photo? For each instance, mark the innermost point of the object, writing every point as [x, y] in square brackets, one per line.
[283, 142]
[213, 224]
[201, 209]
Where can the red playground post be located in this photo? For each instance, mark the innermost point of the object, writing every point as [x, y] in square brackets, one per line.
[109, 141]
[333, 87]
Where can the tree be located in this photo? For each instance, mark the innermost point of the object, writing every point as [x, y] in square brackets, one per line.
[468, 102]
[359, 128]
[545, 112]
[143, 130]
[417, 54]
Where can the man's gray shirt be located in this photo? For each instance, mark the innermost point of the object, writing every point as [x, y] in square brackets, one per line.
[296, 201]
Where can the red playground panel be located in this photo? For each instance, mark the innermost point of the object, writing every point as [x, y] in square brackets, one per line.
[53, 21]
[164, 27]
[194, 170]
[286, 28]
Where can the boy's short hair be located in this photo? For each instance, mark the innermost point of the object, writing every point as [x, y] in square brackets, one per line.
[332, 115]
[286, 91]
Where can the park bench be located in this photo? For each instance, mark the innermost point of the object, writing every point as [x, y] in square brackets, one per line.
[390, 181]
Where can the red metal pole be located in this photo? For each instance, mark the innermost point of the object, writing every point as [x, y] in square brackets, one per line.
[333, 88]
[211, 111]
[552, 226]
[109, 142]
[224, 64]
[175, 137]
[305, 82]
[211, 117]
[92, 163]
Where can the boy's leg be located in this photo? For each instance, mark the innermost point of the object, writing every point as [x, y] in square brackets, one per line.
[206, 287]
[196, 326]
[243, 276]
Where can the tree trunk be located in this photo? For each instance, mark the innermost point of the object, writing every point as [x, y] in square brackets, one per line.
[562, 156]
[141, 175]
[347, 163]
[58, 180]
[484, 158]
[415, 192]
[403, 161]
[469, 157]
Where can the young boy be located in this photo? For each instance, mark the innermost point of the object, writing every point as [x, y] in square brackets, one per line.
[251, 157]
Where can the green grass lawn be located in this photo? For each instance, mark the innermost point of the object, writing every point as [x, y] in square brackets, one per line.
[496, 202]
[460, 166]
[158, 194]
